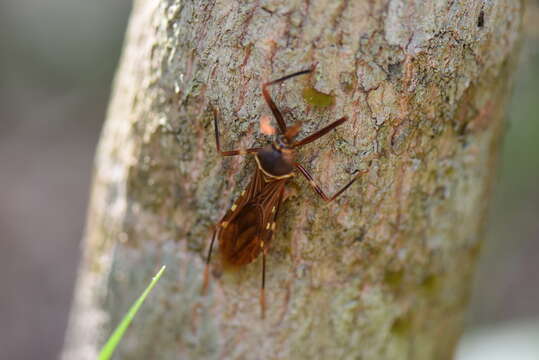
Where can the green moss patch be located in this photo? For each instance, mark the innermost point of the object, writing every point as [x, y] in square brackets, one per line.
[317, 98]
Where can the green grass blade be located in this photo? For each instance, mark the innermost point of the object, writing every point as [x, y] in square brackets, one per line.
[114, 339]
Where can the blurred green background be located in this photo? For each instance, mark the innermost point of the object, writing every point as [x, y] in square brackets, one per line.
[57, 60]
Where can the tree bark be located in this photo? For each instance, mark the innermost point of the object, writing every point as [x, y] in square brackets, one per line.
[382, 273]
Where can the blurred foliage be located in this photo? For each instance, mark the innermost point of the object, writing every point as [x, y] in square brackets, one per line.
[57, 59]
[505, 286]
[60, 44]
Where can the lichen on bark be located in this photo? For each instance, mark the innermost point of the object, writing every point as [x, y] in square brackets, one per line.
[382, 273]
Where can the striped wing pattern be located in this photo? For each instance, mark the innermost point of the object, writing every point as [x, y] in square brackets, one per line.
[247, 227]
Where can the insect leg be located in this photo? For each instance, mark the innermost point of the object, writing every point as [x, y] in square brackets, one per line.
[317, 188]
[265, 92]
[317, 135]
[264, 250]
[218, 144]
[207, 268]
[262, 293]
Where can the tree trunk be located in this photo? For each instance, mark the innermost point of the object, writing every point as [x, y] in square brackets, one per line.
[382, 273]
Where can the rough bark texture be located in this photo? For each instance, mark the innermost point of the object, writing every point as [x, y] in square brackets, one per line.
[382, 273]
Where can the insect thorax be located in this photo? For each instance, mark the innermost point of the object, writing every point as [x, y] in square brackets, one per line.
[274, 162]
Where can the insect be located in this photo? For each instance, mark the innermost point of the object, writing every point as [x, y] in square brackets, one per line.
[248, 227]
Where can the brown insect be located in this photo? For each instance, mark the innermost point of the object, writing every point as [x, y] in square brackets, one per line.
[247, 228]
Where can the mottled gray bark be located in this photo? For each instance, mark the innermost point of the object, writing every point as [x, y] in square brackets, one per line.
[382, 273]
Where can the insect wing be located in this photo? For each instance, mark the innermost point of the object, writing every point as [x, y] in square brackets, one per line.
[244, 229]
[239, 240]
[271, 209]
